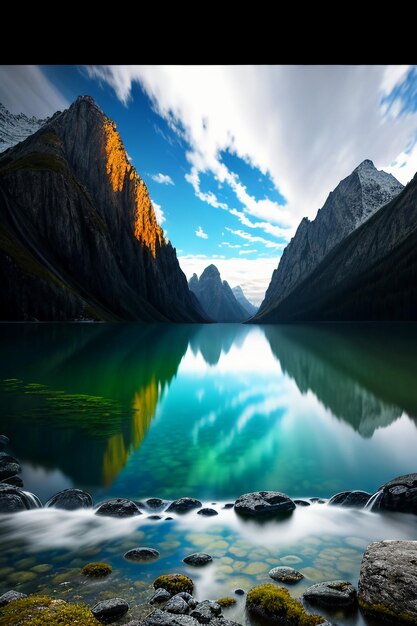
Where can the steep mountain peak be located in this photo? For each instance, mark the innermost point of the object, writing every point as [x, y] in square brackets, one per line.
[210, 271]
[366, 164]
[216, 297]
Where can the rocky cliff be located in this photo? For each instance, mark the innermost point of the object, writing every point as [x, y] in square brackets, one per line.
[250, 308]
[355, 200]
[78, 233]
[216, 297]
[15, 128]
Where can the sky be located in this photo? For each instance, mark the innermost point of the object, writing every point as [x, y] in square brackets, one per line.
[235, 156]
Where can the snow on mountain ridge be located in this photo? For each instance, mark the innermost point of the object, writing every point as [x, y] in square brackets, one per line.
[15, 128]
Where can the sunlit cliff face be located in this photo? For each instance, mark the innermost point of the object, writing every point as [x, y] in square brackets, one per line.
[120, 173]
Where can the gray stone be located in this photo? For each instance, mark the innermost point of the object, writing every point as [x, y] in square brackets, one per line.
[163, 618]
[399, 494]
[287, 575]
[302, 503]
[141, 554]
[205, 611]
[240, 592]
[9, 466]
[160, 595]
[155, 503]
[331, 594]
[71, 500]
[229, 505]
[4, 441]
[198, 558]
[207, 512]
[109, 611]
[354, 499]
[190, 600]
[177, 605]
[221, 621]
[118, 507]
[13, 499]
[388, 581]
[262, 503]
[9, 596]
[183, 505]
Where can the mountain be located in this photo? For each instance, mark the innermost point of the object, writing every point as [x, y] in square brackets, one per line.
[355, 200]
[250, 308]
[370, 275]
[78, 234]
[216, 297]
[15, 128]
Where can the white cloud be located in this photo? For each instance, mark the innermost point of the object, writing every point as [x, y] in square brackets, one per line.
[25, 89]
[227, 244]
[253, 275]
[260, 114]
[200, 233]
[247, 251]
[162, 179]
[255, 239]
[160, 217]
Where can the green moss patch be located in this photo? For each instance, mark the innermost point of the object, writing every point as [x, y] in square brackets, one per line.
[174, 583]
[45, 611]
[383, 612]
[96, 570]
[35, 161]
[225, 602]
[276, 604]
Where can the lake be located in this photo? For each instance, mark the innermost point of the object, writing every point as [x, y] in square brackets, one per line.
[207, 411]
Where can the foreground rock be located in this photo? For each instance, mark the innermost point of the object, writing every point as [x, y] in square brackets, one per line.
[118, 507]
[160, 595]
[350, 499]
[399, 494]
[332, 594]
[183, 505]
[275, 604]
[16, 481]
[388, 581]
[205, 611]
[262, 503]
[287, 575]
[9, 596]
[198, 558]
[71, 500]
[13, 499]
[177, 605]
[109, 611]
[142, 554]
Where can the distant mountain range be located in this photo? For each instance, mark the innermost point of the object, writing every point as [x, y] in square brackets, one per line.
[16, 128]
[356, 261]
[217, 299]
[78, 234]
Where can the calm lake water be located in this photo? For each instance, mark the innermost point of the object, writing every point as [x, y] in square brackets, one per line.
[212, 412]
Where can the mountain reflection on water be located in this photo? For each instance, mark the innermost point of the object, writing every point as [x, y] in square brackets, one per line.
[211, 410]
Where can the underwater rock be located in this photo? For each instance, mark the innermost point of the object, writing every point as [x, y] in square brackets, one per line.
[70, 500]
[118, 507]
[350, 499]
[183, 505]
[287, 575]
[262, 503]
[11, 595]
[142, 554]
[198, 558]
[331, 594]
[109, 611]
[13, 499]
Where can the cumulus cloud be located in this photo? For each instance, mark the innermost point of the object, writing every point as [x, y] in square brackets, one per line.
[160, 217]
[162, 179]
[200, 233]
[306, 126]
[25, 89]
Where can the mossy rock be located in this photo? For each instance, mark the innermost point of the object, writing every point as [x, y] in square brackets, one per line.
[225, 602]
[174, 583]
[45, 611]
[96, 570]
[276, 605]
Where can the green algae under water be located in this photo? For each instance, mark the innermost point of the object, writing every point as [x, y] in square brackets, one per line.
[211, 412]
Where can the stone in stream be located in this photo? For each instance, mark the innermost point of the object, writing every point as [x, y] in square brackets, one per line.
[142, 554]
[155, 517]
[183, 505]
[160, 595]
[109, 611]
[317, 500]
[4, 441]
[205, 611]
[332, 594]
[177, 605]
[118, 507]
[207, 512]
[352, 499]
[11, 595]
[302, 503]
[287, 575]
[13, 499]
[229, 505]
[197, 559]
[9, 466]
[388, 581]
[155, 503]
[239, 592]
[70, 500]
[399, 494]
[262, 503]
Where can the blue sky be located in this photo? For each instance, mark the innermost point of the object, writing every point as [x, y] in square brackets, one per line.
[234, 157]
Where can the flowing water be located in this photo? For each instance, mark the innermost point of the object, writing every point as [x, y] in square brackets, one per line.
[212, 412]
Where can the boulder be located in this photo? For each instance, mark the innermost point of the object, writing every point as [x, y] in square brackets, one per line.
[183, 505]
[70, 500]
[142, 554]
[177, 605]
[197, 559]
[174, 583]
[240, 592]
[399, 494]
[9, 596]
[109, 611]
[388, 581]
[287, 575]
[155, 503]
[160, 595]
[262, 503]
[274, 604]
[154, 517]
[163, 618]
[118, 507]
[13, 499]
[332, 594]
[352, 499]
[205, 611]
[207, 512]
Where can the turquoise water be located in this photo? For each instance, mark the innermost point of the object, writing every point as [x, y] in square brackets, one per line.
[211, 412]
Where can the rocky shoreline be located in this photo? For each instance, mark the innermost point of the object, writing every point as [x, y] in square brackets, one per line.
[387, 582]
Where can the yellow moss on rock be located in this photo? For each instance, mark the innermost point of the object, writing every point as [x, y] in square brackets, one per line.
[174, 583]
[225, 602]
[96, 570]
[45, 611]
[276, 604]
